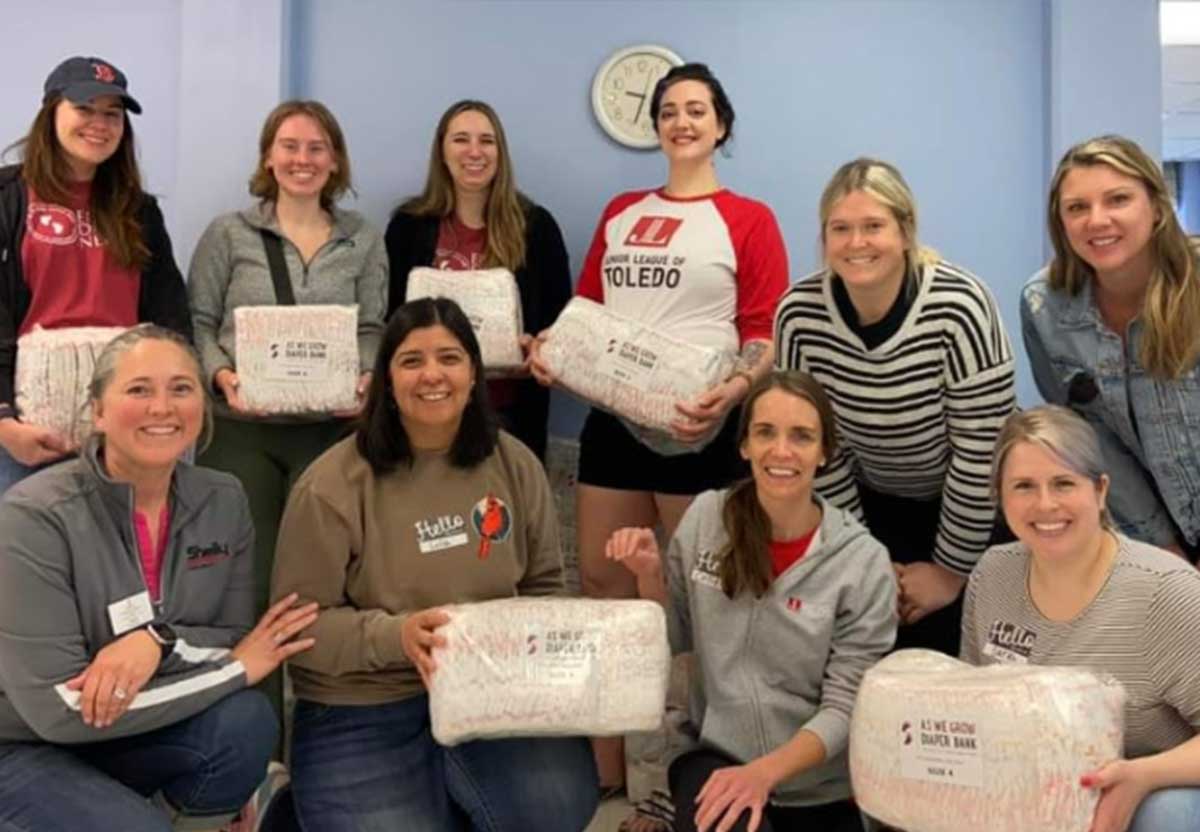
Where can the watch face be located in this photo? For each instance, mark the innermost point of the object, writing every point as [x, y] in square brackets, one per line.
[622, 89]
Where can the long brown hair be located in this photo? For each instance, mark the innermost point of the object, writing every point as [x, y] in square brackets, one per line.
[262, 181]
[505, 213]
[745, 562]
[116, 195]
[1171, 308]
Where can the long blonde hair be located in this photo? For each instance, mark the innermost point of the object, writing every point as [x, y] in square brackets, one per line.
[883, 182]
[505, 213]
[1171, 309]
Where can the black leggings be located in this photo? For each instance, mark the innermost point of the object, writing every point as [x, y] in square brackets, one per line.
[691, 771]
[908, 528]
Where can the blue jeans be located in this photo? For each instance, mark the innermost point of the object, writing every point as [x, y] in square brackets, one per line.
[12, 472]
[377, 768]
[1168, 810]
[208, 764]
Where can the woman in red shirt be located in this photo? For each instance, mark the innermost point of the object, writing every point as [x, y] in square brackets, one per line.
[81, 244]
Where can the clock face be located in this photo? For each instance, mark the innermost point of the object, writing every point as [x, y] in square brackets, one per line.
[621, 92]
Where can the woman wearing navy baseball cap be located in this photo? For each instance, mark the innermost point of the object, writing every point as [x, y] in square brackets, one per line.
[81, 244]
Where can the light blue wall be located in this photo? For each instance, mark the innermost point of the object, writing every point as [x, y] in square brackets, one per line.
[974, 99]
[205, 72]
[1094, 64]
[140, 36]
[971, 98]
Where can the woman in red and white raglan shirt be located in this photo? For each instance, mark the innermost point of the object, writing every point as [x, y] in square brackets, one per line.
[702, 264]
[81, 244]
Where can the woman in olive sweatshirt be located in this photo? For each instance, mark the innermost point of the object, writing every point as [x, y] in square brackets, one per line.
[382, 529]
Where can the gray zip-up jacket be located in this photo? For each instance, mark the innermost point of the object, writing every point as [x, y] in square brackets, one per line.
[68, 550]
[229, 269]
[792, 659]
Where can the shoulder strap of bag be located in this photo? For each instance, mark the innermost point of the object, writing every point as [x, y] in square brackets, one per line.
[284, 295]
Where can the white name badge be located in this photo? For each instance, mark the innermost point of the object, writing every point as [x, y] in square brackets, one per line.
[130, 613]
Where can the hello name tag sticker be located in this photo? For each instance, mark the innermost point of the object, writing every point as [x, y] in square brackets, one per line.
[130, 613]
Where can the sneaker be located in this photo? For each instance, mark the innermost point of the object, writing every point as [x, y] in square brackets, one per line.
[250, 818]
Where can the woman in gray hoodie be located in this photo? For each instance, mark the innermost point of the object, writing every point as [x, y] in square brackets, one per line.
[329, 256]
[785, 600]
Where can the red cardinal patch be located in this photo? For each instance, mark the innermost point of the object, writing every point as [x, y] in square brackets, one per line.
[493, 521]
[104, 73]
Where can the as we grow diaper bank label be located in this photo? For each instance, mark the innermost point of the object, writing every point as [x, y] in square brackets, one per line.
[628, 362]
[560, 656]
[297, 360]
[941, 748]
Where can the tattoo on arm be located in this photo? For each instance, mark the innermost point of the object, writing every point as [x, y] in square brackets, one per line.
[750, 358]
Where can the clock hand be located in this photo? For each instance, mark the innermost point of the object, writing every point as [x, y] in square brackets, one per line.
[642, 102]
[634, 94]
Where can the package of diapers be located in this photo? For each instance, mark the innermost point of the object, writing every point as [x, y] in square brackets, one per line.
[632, 370]
[492, 304]
[523, 667]
[297, 359]
[937, 745]
[53, 370]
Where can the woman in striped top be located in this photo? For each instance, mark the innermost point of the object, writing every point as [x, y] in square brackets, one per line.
[913, 355]
[1074, 591]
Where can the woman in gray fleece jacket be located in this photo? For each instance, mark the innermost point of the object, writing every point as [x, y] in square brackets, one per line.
[786, 600]
[127, 638]
[332, 257]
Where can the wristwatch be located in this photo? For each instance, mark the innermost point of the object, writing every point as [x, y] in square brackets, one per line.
[163, 635]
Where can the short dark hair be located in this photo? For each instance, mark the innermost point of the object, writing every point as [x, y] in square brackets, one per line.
[380, 436]
[701, 73]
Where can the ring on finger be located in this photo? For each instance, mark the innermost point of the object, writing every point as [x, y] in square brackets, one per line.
[120, 693]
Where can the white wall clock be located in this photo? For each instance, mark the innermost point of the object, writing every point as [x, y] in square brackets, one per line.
[622, 88]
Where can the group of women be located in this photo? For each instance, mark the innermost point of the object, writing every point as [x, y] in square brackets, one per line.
[844, 500]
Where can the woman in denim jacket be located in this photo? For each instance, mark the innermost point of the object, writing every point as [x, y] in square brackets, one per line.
[1112, 329]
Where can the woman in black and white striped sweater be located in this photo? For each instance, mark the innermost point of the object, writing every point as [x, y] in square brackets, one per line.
[912, 352]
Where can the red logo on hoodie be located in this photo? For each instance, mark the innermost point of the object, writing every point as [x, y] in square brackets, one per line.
[794, 603]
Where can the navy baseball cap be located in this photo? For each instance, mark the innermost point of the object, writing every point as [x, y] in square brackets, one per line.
[81, 79]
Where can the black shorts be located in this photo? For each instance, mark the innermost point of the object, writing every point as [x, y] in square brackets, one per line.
[612, 457]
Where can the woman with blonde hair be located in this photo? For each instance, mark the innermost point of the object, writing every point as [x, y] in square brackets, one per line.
[913, 354]
[1112, 328]
[1078, 593]
[127, 627]
[470, 215]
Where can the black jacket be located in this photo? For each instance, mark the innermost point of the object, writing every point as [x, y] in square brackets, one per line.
[162, 299]
[544, 283]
